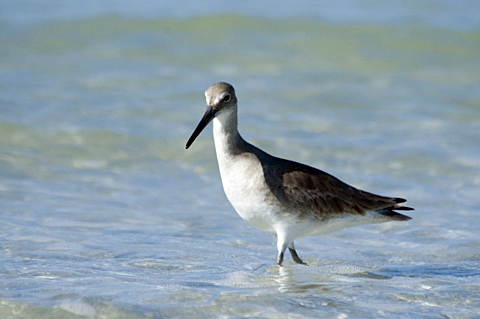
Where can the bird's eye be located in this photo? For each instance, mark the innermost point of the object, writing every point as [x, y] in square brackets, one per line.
[227, 98]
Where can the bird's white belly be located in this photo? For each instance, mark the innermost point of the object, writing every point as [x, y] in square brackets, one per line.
[247, 192]
[252, 210]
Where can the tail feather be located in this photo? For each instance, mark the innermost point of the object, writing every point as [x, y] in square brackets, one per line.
[403, 208]
[398, 207]
[390, 211]
[393, 215]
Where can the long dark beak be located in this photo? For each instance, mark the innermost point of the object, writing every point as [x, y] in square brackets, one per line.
[207, 118]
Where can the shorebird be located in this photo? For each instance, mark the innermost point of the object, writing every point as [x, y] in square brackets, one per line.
[289, 200]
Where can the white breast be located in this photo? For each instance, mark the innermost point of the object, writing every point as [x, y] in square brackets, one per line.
[244, 183]
[246, 190]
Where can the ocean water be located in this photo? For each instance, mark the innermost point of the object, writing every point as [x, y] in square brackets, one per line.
[104, 214]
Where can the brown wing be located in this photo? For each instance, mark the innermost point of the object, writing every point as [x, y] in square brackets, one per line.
[312, 190]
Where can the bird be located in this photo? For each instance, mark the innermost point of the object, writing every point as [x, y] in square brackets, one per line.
[285, 198]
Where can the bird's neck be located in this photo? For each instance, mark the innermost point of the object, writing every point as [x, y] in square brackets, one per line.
[228, 141]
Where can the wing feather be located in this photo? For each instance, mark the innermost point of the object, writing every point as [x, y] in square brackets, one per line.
[312, 190]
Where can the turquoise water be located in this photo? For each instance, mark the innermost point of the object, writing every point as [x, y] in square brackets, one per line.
[104, 214]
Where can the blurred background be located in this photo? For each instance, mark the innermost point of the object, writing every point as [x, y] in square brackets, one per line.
[104, 214]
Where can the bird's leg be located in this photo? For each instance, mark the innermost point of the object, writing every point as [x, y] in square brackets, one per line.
[294, 254]
[280, 259]
[281, 246]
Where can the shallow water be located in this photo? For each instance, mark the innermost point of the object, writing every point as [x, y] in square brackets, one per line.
[106, 215]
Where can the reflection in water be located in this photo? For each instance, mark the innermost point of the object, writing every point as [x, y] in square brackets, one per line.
[299, 278]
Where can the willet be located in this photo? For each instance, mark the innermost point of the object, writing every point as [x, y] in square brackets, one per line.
[289, 200]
